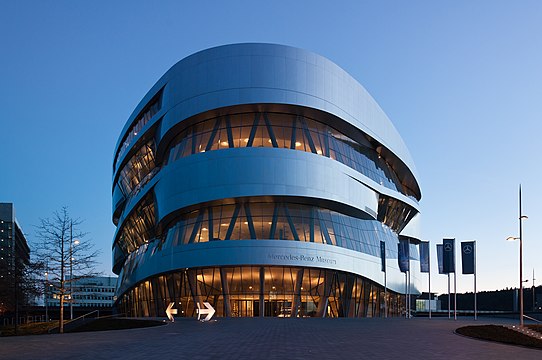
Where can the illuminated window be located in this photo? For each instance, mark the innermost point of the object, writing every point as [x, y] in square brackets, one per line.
[280, 130]
[139, 170]
[148, 112]
[280, 221]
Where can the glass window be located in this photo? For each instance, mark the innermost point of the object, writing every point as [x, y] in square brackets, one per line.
[147, 113]
[288, 131]
[278, 221]
[139, 227]
[139, 170]
[287, 292]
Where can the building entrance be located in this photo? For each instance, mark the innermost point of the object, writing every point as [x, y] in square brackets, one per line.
[243, 308]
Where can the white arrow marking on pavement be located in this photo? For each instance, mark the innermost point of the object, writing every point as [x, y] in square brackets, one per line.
[170, 312]
[209, 311]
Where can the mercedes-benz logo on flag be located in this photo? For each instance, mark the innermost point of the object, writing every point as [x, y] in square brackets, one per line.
[467, 249]
[447, 247]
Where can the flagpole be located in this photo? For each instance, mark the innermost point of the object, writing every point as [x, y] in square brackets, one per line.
[383, 265]
[475, 300]
[385, 294]
[429, 277]
[406, 296]
[409, 297]
[455, 295]
[449, 299]
[455, 283]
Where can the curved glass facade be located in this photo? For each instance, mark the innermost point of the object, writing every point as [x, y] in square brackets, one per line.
[257, 221]
[262, 291]
[394, 213]
[138, 170]
[281, 231]
[281, 221]
[146, 115]
[138, 228]
[288, 131]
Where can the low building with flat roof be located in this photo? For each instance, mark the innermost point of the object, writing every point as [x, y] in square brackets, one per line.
[93, 292]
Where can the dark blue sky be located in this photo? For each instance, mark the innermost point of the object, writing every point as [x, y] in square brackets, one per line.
[461, 81]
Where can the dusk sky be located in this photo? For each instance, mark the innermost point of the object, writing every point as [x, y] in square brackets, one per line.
[460, 80]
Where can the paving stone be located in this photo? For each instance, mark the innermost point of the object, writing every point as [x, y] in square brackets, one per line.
[271, 338]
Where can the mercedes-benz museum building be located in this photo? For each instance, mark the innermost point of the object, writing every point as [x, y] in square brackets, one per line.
[262, 179]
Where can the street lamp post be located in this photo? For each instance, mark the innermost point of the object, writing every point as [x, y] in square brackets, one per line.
[534, 296]
[72, 243]
[520, 238]
[71, 271]
[45, 296]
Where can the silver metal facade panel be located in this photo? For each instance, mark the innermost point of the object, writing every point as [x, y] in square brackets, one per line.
[268, 253]
[263, 74]
[252, 172]
[267, 73]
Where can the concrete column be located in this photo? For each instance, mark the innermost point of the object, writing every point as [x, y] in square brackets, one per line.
[262, 291]
[194, 288]
[324, 299]
[297, 293]
[225, 292]
[346, 296]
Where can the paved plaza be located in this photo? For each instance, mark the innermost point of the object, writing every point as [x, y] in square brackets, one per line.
[271, 338]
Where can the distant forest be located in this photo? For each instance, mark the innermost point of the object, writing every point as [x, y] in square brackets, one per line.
[500, 300]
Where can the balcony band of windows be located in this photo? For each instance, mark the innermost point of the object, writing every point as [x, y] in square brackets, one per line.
[138, 170]
[146, 115]
[280, 291]
[280, 221]
[139, 227]
[289, 131]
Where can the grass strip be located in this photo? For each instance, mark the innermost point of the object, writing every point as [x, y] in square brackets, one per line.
[28, 329]
[95, 325]
[116, 324]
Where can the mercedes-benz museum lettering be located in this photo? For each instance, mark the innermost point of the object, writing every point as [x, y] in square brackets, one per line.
[262, 179]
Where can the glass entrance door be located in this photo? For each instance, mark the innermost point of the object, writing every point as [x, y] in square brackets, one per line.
[242, 308]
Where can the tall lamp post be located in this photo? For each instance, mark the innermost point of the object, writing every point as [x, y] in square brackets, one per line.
[46, 291]
[72, 243]
[520, 238]
[534, 295]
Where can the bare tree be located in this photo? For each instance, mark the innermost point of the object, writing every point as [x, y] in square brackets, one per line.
[68, 255]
